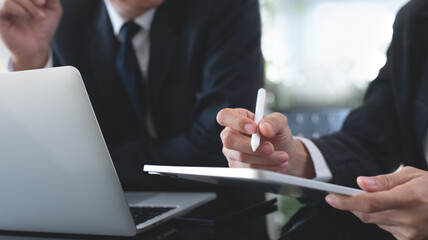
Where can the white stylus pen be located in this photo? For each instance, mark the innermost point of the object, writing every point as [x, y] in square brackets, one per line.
[260, 108]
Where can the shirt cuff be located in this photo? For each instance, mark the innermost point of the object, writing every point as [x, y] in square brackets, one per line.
[49, 63]
[322, 171]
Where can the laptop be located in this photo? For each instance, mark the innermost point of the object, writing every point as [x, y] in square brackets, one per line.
[56, 173]
[262, 180]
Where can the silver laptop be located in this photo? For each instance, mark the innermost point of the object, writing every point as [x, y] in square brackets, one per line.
[56, 174]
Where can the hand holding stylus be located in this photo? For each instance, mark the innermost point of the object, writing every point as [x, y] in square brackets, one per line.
[260, 108]
[253, 141]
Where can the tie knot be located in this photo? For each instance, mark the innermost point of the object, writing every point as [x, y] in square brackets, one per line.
[128, 30]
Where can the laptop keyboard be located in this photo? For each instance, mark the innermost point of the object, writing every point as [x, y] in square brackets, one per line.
[142, 214]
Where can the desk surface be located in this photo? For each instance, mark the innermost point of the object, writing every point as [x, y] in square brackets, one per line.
[249, 228]
[315, 221]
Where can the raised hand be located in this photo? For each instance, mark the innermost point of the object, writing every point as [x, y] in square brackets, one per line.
[27, 28]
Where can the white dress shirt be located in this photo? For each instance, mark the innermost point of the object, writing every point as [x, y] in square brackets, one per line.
[141, 43]
[323, 172]
[141, 40]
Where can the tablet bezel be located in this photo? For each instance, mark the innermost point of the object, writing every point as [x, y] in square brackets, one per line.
[254, 179]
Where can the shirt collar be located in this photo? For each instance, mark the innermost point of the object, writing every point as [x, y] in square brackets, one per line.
[144, 20]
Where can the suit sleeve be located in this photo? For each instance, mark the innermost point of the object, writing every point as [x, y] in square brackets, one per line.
[377, 137]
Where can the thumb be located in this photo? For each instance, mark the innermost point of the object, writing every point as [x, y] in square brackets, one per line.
[273, 124]
[385, 182]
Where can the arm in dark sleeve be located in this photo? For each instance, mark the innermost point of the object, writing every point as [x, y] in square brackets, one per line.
[364, 141]
[377, 137]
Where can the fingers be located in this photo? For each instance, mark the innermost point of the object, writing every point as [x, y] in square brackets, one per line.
[234, 140]
[274, 168]
[273, 124]
[242, 120]
[387, 192]
[275, 159]
[279, 169]
[239, 119]
[239, 125]
[387, 181]
[12, 8]
[237, 147]
[368, 202]
[21, 7]
[386, 218]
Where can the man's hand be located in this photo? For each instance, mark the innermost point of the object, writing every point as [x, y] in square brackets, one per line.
[27, 28]
[278, 151]
[397, 202]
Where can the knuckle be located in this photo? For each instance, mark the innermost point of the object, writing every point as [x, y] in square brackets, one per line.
[224, 151]
[365, 218]
[221, 115]
[279, 169]
[253, 166]
[415, 196]
[282, 168]
[230, 163]
[410, 234]
[221, 134]
[413, 223]
[371, 206]
[280, 117]
[284, 118]
[241, 157]
[227, 138]
[386, 181]
[408, 169]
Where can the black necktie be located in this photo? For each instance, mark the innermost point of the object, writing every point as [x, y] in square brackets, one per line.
[129, 69]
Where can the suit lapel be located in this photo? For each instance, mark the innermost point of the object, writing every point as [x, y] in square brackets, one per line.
[421, 98]
[102, 46]
[421, 101]
[163, 41]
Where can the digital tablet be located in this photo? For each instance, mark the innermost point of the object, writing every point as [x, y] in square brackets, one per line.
[254, 179]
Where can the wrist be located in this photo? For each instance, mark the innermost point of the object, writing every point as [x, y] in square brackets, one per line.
[303, 157]
[28, 62]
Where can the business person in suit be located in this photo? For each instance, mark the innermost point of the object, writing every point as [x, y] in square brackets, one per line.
[191, 58]
[388, 130]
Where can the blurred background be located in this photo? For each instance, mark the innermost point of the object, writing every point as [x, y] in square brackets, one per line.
[319, 53]
[324, 53]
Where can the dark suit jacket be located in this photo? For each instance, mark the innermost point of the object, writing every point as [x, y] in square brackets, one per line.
[388, 129]
[205, 55]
